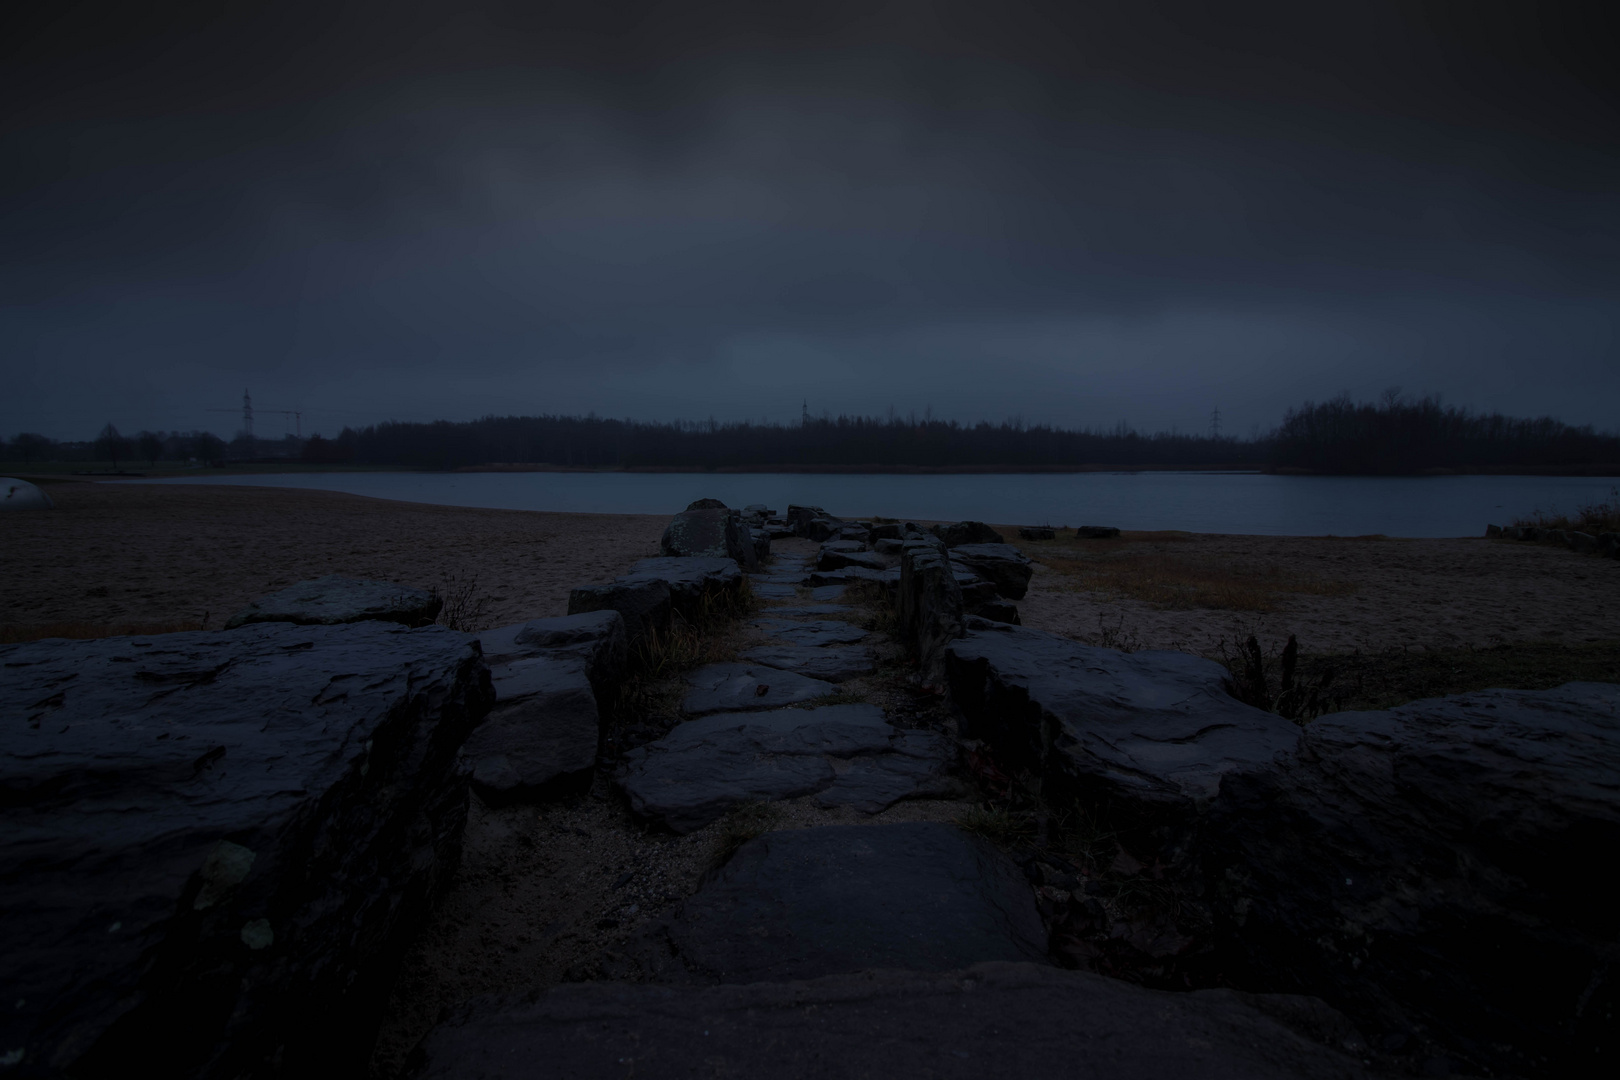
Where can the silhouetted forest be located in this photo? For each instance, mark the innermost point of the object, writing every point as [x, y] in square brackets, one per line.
[1393, 436]
[842, 442]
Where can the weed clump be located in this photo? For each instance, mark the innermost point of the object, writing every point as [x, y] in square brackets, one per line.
[463, 609]
[1275, 684]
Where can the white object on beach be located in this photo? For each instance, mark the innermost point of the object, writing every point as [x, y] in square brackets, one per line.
[21, 495]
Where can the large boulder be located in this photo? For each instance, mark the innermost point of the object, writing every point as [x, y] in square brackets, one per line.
[1409, 866]
[803, 903]
[541, 738]
[644, 604]
[335, 599]
[1004, 565]
[216, 847]
[1150, 735]
[930, 605]
[967, 532]
[1439, 871]
[21, 495]
[716, 533]
[706, 504]
[993, 1021]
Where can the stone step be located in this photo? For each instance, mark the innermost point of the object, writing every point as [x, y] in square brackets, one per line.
[733, 687]
[992, 1021]
[804, 903]
[833, 663]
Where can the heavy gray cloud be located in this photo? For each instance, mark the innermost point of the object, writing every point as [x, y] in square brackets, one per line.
[1076, 214]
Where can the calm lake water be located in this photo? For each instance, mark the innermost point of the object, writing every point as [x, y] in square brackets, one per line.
[1196, 502]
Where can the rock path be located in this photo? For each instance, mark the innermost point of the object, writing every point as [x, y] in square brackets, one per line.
[844, 949]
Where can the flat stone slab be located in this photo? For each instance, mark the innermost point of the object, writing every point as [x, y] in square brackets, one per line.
[253, 822]
[598, 638]
[820, 632]
[770, 590]
[834, 663]
[707, 766]
[732, 687]
[541, 739]
[828, 592]
[849, 575]
[1152, 732]
[803, 903]
[993, 1021]
[915, 768]
[332, 600]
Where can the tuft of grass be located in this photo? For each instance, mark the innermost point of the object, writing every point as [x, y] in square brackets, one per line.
[651, 690]
[1593, 518]
[881, 614]
[1175, 582]
[1117, 636]
[16, 633]
[1080, 832]
[745, 823]
[1001, 826]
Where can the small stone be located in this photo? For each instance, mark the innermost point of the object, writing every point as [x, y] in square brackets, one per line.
[257, 934]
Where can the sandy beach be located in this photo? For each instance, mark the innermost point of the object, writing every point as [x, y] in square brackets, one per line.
[167, 556]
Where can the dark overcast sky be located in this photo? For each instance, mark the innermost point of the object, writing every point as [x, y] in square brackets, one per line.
[1073, 212]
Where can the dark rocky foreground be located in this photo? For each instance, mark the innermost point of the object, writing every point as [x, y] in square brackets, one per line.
[1427, 869]
[1013, 1020]
[216, 845]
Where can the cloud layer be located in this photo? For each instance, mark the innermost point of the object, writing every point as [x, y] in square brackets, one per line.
[1074, 216]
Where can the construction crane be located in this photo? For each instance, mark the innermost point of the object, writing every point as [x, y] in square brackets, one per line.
[247, 415]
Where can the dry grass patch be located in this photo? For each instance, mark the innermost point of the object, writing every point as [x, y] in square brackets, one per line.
[1180, 582]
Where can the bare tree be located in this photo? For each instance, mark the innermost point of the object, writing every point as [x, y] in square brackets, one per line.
[27, 445]
[151, 444]
[110, 444]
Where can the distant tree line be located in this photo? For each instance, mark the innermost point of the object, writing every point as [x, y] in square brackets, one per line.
[1338, 436]
[146, 447]
[1398, 436]
[842, 442]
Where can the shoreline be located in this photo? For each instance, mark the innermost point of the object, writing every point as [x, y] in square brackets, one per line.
[66, 472]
